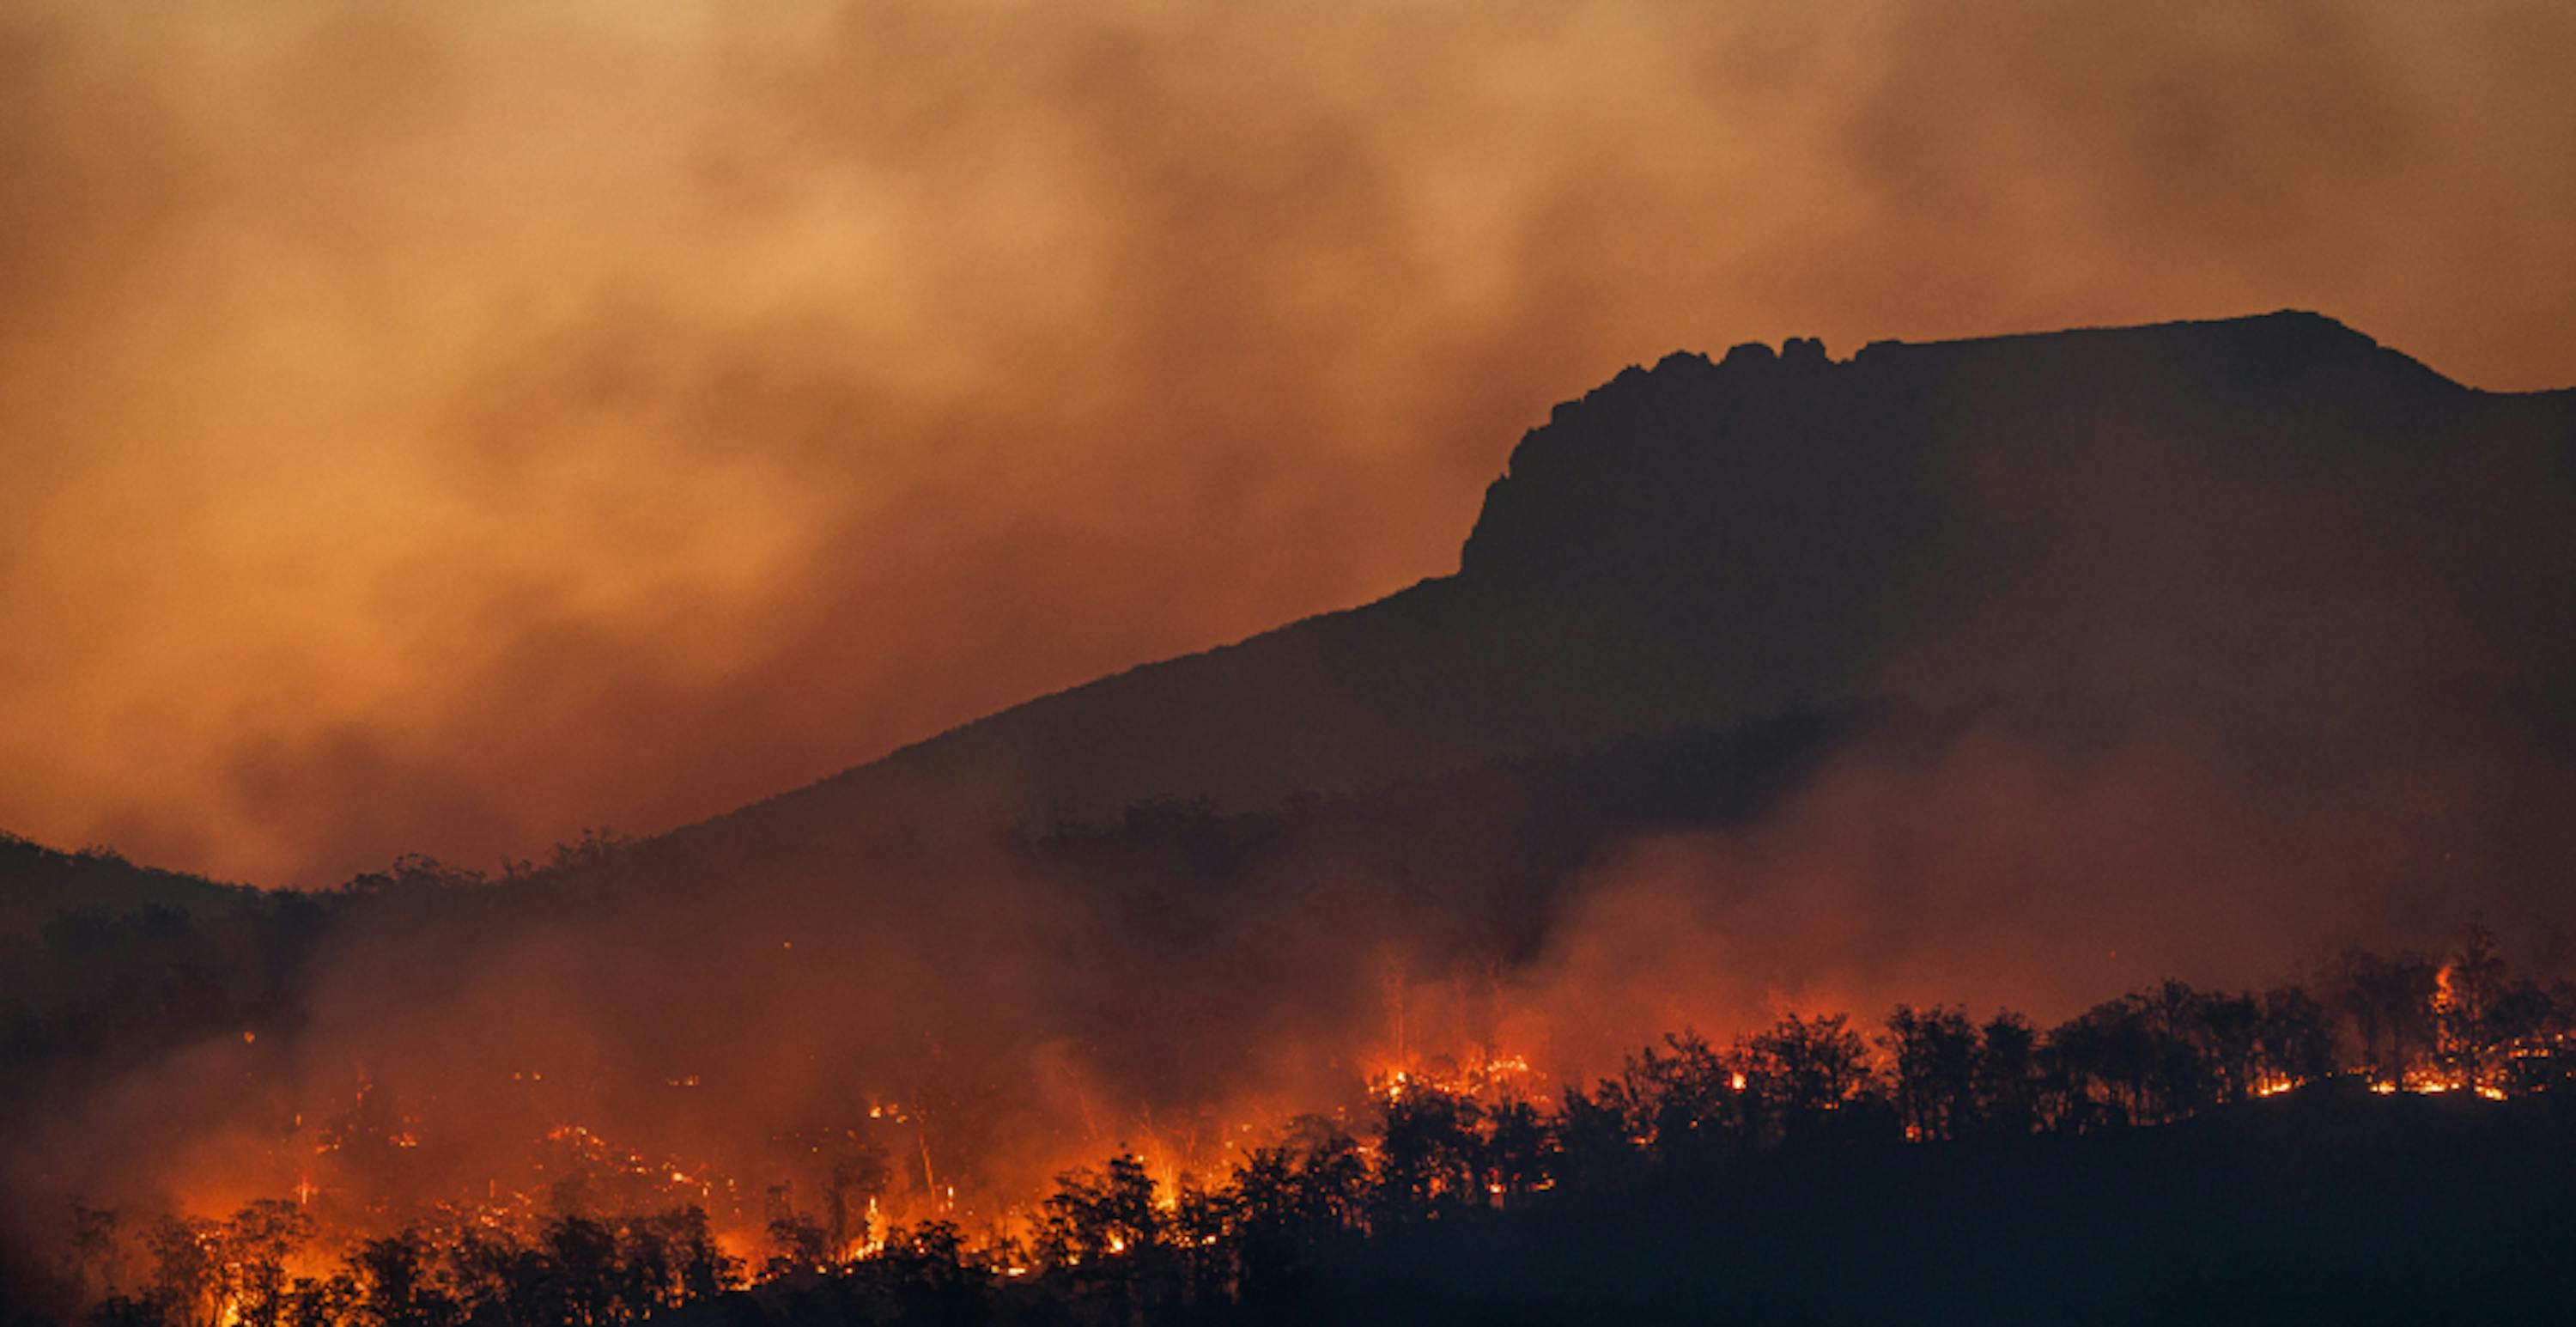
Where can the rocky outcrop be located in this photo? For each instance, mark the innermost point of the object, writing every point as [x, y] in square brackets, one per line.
[2194, 514]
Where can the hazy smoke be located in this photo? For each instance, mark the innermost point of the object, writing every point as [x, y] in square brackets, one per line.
[437, 427]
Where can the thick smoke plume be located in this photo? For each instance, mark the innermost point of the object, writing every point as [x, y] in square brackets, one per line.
[440, 427]
[437, 427]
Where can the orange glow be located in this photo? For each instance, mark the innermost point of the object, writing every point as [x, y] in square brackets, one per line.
[618, 413]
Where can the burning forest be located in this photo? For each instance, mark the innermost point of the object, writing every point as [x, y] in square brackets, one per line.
[1160, 759]
[1312, 1212]
[942, 1039]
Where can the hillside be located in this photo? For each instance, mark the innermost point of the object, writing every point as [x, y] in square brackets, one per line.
[2005, 674]
[2270, 524]
[38, 883]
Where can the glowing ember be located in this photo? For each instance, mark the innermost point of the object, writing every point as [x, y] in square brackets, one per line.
[1439, 1135]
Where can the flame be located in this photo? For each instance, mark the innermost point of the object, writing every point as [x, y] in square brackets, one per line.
[326, 1170]
[1490, 1075]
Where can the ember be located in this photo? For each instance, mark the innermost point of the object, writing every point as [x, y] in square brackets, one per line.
[1445, 1137]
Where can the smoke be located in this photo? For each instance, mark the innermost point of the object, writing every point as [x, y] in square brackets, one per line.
[972, 1018]
[441, 427]
[2210, 692]
[1998, 869]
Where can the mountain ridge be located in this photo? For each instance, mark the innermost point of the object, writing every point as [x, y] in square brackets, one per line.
[1668, 549]
[1707, 542]
[38, 883]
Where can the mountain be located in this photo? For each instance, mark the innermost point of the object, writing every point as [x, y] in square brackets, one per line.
[2002, 674]
[2272, 524]
[39, 883]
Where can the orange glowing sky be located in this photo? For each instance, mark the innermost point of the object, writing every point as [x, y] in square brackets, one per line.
[443, 426]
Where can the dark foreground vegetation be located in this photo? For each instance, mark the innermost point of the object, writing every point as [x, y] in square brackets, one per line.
[2399, 1145]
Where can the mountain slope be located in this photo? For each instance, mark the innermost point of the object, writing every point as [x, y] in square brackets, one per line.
[39, 883]
[2216, 516]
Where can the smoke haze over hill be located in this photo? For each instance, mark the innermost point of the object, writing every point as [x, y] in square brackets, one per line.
[439, 427]
[2013, 671]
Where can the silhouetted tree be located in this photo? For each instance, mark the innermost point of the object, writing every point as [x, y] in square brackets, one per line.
[1595, 1142]
[2467, 990]
[1935, 1054]
[330, 1301]
[2103, 1065]
[934, 1279]
[1096, 1214]
[393, 1284]
[1429, 1155]
[191, 1275]
[257, 1242]
[2229, 1032]
[1805, 1073]
[1517, 1150]
[1450, 1173]
[700, 1269]
[580, 1282]
[1102, 1236]
[1199, 1232]
[2390, 1001]
[2184, 1072]
[2296, 1036]
[1688, 1099]
[797, 1242]
[2007, 1076]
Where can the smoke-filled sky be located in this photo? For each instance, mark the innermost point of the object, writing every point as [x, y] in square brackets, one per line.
[445, 426]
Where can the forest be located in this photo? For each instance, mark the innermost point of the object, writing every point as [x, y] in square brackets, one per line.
[2389, 1142]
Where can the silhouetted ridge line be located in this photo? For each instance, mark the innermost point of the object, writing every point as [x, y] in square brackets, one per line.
[38, 883]
[1710, 542]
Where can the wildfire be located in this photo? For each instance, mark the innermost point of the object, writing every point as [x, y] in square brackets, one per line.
[1489, 1075]
[364, 1170]
[2430, 1084]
